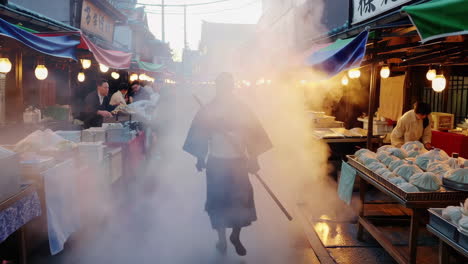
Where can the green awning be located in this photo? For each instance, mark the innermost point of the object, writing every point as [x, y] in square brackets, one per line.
[26, 29]
[439, 18]
[151, 67]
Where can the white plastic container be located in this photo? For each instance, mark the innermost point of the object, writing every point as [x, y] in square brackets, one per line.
[91, 152]
[9, 174]
[114, 164]
[74, 136]
[378, 128]
[94, 134]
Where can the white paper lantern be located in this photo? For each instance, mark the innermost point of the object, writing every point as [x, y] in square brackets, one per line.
[143, 77]
[86, 63]
[354, 73]
[439, 83]
[41, 72]
[385, 72]
[431, 74]
[133, 77]
[81, 76]
[103, 68]
[115, 75]
[5, 65]
[345, 80]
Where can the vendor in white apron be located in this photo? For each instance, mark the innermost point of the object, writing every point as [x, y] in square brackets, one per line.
[414, 125]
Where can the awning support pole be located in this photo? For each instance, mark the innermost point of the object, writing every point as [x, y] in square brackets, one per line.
[372, 98]
[372, 92]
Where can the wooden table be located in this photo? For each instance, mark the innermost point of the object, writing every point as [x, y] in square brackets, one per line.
[417, 208]
[445, 244]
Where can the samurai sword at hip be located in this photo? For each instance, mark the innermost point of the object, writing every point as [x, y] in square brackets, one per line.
[227, 138]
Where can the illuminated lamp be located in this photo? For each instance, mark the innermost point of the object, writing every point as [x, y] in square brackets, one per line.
[5, 65]
[345, 80]
[354, 73]
[385, 72]
[133, 77]
[41, 72]
[81, 76]
[103, 68]
[86, 63]
[115, 75]
[439, 83]
[431, 74]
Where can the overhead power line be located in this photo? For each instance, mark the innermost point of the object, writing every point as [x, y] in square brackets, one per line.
[188, 5]
[157, 12]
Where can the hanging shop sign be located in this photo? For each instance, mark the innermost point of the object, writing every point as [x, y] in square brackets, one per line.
[367, 9]
[96, 21]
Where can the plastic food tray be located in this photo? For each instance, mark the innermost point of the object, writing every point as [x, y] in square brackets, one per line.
[447, 228]
[455, 185]
[440, 195]
[444, 226]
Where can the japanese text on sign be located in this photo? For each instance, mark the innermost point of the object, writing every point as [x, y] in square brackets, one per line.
[366, 9]
[96, 21]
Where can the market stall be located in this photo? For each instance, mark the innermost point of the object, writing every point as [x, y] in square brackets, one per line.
[402, 70]
[417, 201]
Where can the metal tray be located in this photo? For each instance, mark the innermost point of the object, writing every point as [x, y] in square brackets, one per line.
[446, 227]
[463, 241]
[455, 185]
[440, 195]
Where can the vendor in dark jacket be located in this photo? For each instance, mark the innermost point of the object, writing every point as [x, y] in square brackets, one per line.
[96, 105]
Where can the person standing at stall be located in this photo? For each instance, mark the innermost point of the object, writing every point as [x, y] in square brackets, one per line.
[138, 93]
[227, 134]
[96, 105]
[118, 98]
[414, 125]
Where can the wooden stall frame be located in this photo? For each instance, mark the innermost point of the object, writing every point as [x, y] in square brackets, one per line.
[417, 208]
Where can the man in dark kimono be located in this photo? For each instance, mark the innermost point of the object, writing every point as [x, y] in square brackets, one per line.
[230, 137]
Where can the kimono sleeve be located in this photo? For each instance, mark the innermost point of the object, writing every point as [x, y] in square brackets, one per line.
[198, 137]
[257, 141]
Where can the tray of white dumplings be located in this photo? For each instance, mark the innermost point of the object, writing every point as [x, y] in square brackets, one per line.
[411, 172]
[452, 222]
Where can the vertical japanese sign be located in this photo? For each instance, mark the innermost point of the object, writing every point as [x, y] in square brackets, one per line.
[96, 21]
[366, 9]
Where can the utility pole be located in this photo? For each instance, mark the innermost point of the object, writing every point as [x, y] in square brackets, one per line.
[163, 30]
[185, 27]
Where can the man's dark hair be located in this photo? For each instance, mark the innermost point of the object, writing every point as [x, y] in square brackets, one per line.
[123, 87]
[100, 82]
[135, 83]
[422, 108]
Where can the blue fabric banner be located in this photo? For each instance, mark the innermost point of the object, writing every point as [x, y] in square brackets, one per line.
[62, 46]
[341, 55]
[346, 183]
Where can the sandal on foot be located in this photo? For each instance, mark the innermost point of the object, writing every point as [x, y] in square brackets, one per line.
[221, 247]
[240, 249]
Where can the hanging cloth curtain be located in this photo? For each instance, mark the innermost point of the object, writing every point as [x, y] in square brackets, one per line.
[111, 58]
[342, 55]
[60, 46]
[439, 18]
[150, 67]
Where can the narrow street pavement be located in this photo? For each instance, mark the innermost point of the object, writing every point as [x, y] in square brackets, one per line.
[161, 218]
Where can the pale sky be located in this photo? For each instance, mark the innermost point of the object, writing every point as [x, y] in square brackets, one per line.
[232, 11]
